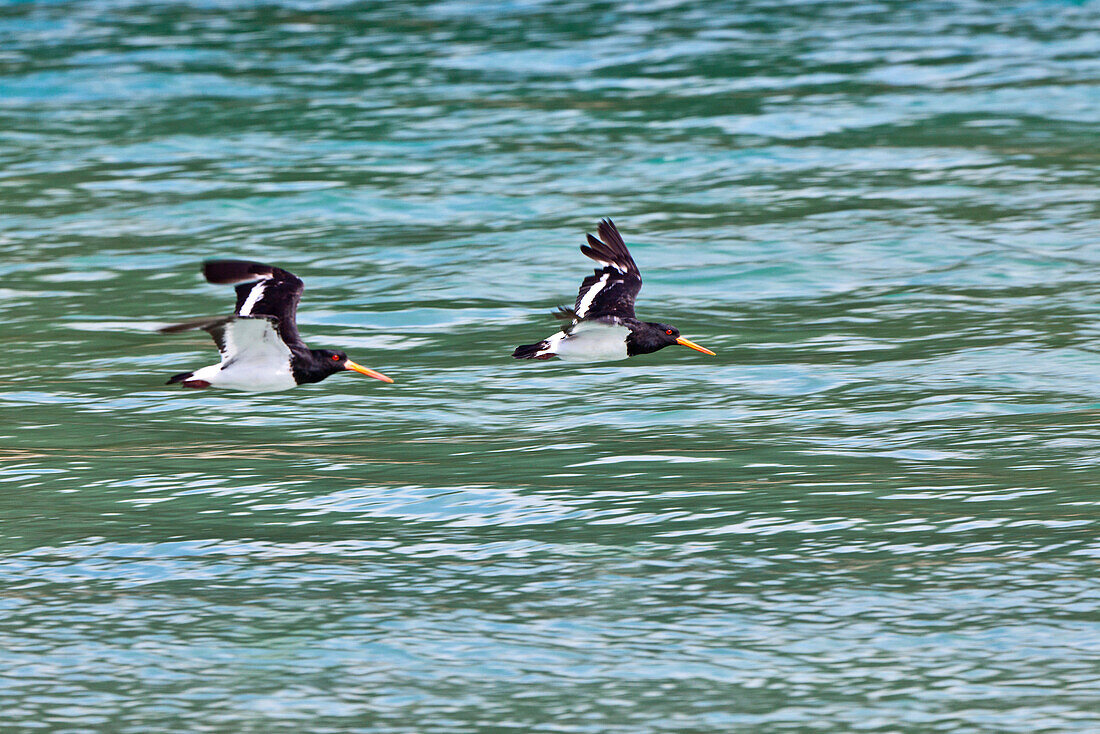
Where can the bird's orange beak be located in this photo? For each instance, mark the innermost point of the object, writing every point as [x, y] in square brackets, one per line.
[349, 365]
[692, 345]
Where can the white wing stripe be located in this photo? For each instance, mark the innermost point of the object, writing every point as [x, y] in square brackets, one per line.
[612, 265]
[254, 297]
[590, 296]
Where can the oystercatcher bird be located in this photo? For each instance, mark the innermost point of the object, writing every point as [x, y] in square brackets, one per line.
[602, 325]
[260, 347]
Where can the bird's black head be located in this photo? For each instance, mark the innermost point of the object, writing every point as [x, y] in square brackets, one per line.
[319, 364]
[324, 362]
[650, 336]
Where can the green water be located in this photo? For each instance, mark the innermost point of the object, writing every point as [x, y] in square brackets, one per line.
[873, 511]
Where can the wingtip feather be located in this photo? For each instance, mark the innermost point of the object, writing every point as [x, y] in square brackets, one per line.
[192, 324]
[609, 248]
[227, 272]
[609, 233]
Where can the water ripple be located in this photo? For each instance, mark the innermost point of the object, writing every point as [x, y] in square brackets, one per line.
[872, 511]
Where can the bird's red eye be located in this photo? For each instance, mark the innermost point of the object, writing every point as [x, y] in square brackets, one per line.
[668, 331]
[336, 357]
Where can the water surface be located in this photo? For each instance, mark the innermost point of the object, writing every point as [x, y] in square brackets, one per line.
[874, 510]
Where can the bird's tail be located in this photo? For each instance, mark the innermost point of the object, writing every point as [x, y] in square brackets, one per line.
[185, 379]
[531, 351]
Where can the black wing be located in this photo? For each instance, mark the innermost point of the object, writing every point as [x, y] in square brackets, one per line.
[262, 290]
[612, 290]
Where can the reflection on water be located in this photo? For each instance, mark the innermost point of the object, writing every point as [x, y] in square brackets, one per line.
[872, 511]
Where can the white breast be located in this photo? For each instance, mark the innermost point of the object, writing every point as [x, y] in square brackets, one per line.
[247, 376]
[255, 359]
[593, 342]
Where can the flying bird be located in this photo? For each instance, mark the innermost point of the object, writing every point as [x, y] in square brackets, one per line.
[602, 324]
[260, 347]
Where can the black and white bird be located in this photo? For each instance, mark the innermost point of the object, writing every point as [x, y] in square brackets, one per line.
[260, 347]
[602, 325]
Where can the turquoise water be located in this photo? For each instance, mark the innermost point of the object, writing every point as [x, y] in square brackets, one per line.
[874, 510]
